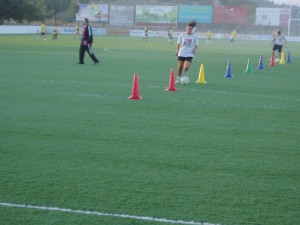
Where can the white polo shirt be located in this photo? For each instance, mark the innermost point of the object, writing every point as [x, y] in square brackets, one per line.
[187, 44]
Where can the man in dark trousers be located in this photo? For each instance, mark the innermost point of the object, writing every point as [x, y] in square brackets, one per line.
[86, 42]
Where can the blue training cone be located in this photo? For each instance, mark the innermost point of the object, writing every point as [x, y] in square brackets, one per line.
[260, 63]
[289, 58]
[228, 72]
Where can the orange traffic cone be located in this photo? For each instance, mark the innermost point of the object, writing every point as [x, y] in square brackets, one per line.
[135, 93]
[272, 62]
[172, 85]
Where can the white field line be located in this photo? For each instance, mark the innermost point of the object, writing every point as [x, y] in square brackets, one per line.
[221, 104]
[84, 212]
[160, 87]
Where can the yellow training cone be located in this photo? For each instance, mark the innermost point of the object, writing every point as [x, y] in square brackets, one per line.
[201, 79]
[282, 60]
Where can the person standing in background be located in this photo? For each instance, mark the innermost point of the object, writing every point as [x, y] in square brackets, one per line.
[233, 35]
[145, 34]
[77, 31]
[170, 35]
[43, 31]
[55, 32]
[208, 37]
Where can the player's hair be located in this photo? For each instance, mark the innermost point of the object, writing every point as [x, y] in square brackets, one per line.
[279, 32]
[86, 19]
[192, 23]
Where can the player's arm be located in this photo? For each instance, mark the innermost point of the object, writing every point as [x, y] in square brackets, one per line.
[89, 36]
[177, 48]
[179, 42]
[195, 48]
[196, 41]
[274, 39]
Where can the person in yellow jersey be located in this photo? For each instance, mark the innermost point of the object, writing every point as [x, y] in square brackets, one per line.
[208, 37]
[170, 35]
[77, 31]
[43, 31]
[55, 32]
[233, 36]
[145, 34]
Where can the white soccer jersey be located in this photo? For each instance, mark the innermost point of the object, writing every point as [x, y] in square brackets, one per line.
[187, 44]
[279, 40]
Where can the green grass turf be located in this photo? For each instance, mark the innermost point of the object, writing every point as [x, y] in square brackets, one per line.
[224, 152]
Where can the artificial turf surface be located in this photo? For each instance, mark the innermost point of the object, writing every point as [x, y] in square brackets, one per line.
[225, 152]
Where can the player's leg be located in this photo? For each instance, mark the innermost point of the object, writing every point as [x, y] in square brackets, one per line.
[179, 68]
[92, 55]
[186, 67]
[81, 54]
[279, 49]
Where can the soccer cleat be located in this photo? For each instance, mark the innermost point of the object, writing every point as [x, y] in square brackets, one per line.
[178, 80]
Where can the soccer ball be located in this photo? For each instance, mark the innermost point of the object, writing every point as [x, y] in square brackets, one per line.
[185, 80]
[277, 60]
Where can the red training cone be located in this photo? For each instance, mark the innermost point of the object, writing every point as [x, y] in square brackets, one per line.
[172, 85]
[135, 93]
[272, 62]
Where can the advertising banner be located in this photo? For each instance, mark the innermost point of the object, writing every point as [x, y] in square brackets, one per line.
[200, 13]
[273, 16]
[150, 15]
[230, 15]
[121, 15]
[285, 15]
[94, 12]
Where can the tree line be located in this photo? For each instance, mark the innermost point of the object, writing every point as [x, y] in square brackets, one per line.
[33, 10]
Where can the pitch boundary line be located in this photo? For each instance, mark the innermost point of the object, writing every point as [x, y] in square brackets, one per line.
[103, 214]
[158, 86]
[239, 105]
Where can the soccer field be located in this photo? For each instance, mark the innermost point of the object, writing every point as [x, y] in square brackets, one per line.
[75, 150]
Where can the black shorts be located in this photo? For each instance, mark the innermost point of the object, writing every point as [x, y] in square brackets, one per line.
[277, 47]
[181, 58]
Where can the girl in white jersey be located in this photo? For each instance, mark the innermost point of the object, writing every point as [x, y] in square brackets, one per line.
[187, 44]
[278, 41]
